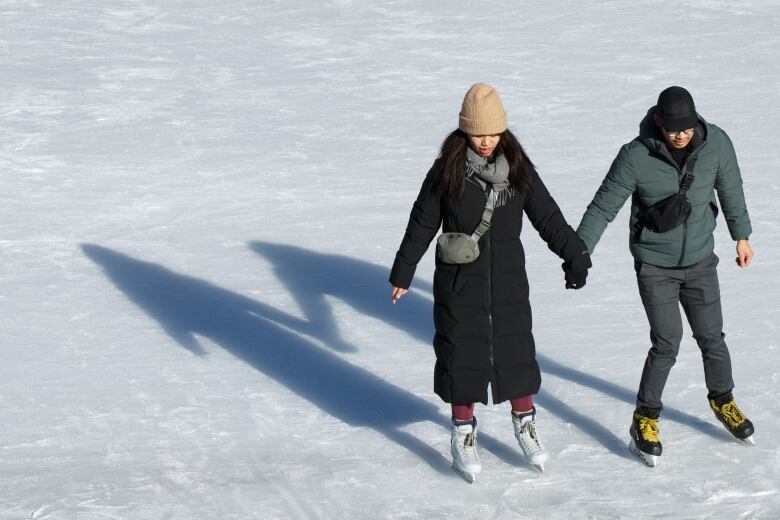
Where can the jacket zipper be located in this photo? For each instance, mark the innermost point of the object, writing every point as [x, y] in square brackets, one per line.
[490, 306]
[681, 173]
[684, 238]
[490, 309]
[488, 255]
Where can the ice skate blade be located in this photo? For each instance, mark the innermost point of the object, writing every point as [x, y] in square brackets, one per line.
[465, 475]
[749, 441]
[645, 458]
[535, 461]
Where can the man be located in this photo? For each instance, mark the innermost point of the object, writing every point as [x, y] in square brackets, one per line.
[680, 156]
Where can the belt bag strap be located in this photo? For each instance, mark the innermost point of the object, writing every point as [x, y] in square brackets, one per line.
[484, 225]
[687, 178]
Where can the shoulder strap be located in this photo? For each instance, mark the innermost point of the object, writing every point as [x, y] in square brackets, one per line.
[484, 224]
[687, 180]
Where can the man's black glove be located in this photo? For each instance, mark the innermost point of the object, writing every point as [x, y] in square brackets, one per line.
[576, 270]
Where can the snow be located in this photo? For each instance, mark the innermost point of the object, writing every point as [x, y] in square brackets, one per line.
[200, 205]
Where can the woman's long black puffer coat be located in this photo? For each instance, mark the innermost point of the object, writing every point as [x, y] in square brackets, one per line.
[481, 310]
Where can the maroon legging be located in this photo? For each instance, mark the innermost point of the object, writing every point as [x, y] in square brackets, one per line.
[465, 412]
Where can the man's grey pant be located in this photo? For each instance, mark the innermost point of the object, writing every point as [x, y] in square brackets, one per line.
[662, 291]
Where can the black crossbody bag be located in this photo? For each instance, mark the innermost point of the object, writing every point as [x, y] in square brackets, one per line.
[672, 211]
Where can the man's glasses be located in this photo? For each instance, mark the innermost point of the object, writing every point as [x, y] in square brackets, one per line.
[674, 135]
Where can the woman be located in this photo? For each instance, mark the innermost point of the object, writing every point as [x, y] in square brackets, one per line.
[481, 309]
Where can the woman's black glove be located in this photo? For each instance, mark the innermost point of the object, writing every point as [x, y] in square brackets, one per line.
[576, 270]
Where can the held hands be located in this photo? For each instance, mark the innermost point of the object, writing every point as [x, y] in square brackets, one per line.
[744, 253]
[576, 270]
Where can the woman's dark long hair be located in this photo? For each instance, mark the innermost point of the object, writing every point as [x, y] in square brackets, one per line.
[453, 163]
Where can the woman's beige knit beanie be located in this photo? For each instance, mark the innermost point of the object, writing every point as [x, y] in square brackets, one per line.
[482, 112]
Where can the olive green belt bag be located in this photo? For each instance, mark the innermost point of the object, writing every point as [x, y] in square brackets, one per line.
[460, 248]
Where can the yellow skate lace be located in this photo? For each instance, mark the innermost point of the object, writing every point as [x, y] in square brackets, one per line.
[730, 412]
[648, 428]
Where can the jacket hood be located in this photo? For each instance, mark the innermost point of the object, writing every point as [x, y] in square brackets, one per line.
[650, 136]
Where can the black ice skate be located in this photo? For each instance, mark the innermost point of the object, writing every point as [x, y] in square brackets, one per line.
[645, 441]
[729, 414]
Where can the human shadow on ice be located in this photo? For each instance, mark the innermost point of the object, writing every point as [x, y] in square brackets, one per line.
[187, 307]
[310, 276]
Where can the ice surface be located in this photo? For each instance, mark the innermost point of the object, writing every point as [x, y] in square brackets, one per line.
[200, 205]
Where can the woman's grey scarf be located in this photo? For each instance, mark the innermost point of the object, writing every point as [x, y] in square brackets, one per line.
[495, 173]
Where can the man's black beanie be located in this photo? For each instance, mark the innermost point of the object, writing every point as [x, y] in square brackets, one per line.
[676, 109]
